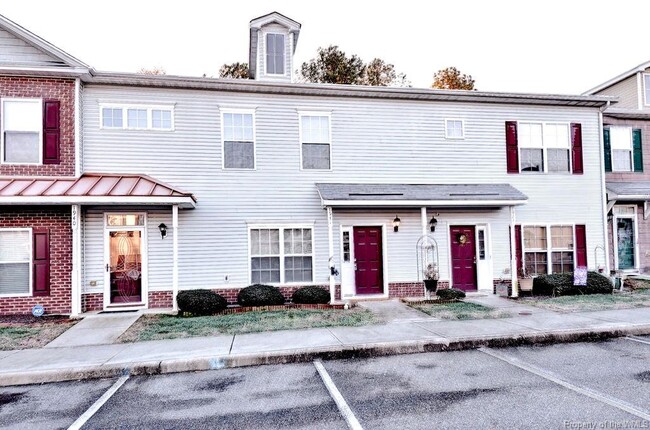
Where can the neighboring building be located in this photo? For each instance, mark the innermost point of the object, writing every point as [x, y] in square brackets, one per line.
[626, 126]
[293, 182]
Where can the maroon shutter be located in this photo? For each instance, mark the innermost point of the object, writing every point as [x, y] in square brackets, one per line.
[51, 132]
[41, 258]
[581, 245]
[576, 148]
[518, 251]
[512, 150]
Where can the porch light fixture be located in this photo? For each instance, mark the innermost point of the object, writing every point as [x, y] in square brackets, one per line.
[433, 223]
[163, 230]
[396, 223]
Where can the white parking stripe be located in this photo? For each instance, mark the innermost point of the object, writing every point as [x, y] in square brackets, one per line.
[637, 339]
[98, 404]
[345, 410]
[612, 401]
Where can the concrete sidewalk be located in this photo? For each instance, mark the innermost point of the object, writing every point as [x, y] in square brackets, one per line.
[402, 334]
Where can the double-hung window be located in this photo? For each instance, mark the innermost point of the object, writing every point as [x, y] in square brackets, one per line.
[22, 125]
[621, 144]
[281, 255]
[238, 132]
[275, 54]
[454, 129]
[15, 261]
[137, 117]
[548, 249]
[544, 147]
[315, 140]
[646, 88]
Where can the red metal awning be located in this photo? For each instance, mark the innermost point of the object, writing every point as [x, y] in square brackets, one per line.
[92, 188]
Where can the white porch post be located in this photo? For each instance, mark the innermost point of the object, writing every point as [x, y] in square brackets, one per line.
[174, 257]
[423, 220]
[513, 254]
[330, 238]
[75, 287]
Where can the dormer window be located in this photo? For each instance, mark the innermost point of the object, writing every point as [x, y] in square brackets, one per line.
[646, 87]
[275, 54]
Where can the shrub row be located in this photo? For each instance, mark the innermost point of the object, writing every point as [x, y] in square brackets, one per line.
[450, 294]
[561, 284]
[207, 302]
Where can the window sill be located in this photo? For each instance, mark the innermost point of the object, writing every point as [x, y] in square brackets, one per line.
[9, 296]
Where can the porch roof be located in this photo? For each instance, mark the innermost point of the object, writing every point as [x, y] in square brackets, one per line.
[92, 188]
[638, 190]
[419, 195]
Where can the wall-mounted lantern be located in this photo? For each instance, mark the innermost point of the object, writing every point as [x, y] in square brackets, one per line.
[433, 223]
[396, 223]
[163, 230]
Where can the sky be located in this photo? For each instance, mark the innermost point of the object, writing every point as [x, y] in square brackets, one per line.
[550, 46]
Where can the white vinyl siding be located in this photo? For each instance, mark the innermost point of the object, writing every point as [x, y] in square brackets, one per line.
[137, 117]
[238, 134]
[22, 131]
[315, 141]
[621, 143]
[15, 262]
[281, 255]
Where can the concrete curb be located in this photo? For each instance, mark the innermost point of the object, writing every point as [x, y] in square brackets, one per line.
[368, 350]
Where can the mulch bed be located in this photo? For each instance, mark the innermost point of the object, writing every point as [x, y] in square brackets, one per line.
[21, 320]
[236, 309]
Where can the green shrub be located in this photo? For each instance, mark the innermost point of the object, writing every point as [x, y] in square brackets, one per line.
[450, 294]
[200, 302]
[561, 284]
[311, 295]
[260, 295]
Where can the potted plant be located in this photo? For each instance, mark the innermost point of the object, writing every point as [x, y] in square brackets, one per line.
[525, 280]
[431, 277]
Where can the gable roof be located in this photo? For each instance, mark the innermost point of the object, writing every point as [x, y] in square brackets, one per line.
[640, 68]
[61, 61]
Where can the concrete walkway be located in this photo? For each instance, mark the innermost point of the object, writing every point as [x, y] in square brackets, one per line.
[96, 329]
[393, 311]
[397, 336]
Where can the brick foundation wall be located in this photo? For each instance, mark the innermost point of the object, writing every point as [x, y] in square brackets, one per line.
[410, 289]
[92, 302]
[160, 299]
[61, 89]
[57, 221]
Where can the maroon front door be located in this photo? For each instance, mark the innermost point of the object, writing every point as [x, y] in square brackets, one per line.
[368, 274]
[463, 257]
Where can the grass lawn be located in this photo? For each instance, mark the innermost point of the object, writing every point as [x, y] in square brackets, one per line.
[25, 331]
[592, 302]
[460, 311]
[153, 327]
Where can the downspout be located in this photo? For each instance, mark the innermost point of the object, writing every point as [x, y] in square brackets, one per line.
[603, 188]
[77, 128]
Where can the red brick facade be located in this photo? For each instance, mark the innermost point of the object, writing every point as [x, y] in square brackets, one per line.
[57, 221]
[46, 88]
[92, 302]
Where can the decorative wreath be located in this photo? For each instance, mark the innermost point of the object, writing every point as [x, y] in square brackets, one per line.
[462, 238]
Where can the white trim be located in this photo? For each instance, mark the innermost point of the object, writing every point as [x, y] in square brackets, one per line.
[634, 218]
[476, 227]
[76, 286]
[304, 113]
[384, 252]
[174, 257]
[147, 107]
[184, 202]
[77, 128]
[549, 243]
[31, 261]
[241, 111]
[639, 90]
[281, 255]
[646, 90]
[420, 203]
[462, 129]
[144, 253]
[3, 110]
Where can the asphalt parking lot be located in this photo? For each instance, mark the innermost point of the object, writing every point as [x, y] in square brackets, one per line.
[582, 385]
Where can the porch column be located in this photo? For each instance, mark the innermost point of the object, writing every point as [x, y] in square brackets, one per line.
[423, 220]
[174, 257]
[513, 254]
[330, 238]
[75, 284]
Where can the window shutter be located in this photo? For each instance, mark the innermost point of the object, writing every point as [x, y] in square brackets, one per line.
[581, 245]
[41, 261]
[638, 152]
[512, 150]
[576, 148]
[51, 132]
[608, 151]
[518, 251]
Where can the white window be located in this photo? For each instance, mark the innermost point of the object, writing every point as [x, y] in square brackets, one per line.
[15, 262]
[544, 147]
[22, 128]
[621, 143]
[315, 144]
[289, 260]
[137, 117]
[454, 129]
[275, 54]
[238, 134]
[542, 256]
[646, 87]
